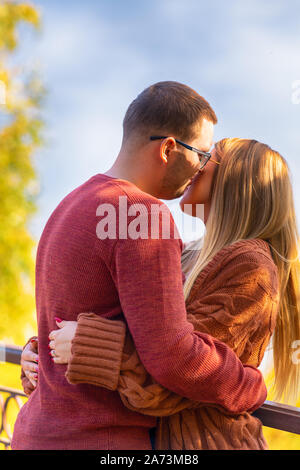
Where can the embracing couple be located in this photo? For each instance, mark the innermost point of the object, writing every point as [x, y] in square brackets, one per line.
[160, 342]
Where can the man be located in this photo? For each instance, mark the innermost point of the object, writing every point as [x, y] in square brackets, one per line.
[136, 278]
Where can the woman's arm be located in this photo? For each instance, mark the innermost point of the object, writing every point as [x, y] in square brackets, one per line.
[96, 350]
[239, 311]
[232, 317]
[125, 373]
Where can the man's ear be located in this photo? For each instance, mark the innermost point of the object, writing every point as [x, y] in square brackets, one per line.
[166, 147]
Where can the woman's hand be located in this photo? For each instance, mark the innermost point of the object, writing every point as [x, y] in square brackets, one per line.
[29, 361]
[61, 341]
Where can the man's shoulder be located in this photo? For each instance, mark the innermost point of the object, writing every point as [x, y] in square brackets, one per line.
[131, 214]
[110, 190]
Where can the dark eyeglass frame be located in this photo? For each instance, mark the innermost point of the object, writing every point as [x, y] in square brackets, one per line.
[206, 155]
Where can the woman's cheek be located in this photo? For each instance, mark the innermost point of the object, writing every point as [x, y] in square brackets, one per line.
[188, 197]
[198, 193]
[190, 200]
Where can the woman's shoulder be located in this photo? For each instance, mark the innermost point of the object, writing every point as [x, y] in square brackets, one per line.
[242, 261]
[253, 251]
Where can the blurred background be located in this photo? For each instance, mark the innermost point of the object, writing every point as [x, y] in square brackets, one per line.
[69, 70]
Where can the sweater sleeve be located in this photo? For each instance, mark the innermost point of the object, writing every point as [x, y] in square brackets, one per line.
[243, 315]
[93, 362]
[189, 363]
[96, 351]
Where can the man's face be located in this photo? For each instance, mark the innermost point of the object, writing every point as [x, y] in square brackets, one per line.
[186, 162]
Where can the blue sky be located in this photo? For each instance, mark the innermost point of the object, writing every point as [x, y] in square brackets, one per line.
[96, 56]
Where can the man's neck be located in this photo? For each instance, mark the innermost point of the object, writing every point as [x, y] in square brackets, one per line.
[139, 176]
[122, 174]
[127, 176]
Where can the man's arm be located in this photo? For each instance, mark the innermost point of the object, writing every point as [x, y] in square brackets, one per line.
[195, 365]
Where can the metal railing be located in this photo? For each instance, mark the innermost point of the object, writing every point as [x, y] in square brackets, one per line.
[11, 354]
[271, 414]
[7, 395]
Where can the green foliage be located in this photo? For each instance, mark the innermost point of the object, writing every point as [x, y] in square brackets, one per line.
[19, 138]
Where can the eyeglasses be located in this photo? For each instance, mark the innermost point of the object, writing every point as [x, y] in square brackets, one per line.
[204, 157]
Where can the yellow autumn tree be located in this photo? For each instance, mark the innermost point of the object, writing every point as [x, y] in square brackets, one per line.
[20, 135]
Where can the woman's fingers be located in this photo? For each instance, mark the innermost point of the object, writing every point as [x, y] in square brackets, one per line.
[53, 334]
[31, 371]
[34, 382]
[58, 360]
[34, 345]
[61, 342]
[29, 366]
[32, 376]
[28, 355]
[54, 354]
[29, 362]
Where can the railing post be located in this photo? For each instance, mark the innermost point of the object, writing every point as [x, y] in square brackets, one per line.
[271, 414]
[279, 416]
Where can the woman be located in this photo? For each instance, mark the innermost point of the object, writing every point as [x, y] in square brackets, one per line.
[242, 283]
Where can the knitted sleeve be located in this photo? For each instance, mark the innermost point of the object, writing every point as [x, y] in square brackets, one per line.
[103, 354]
[237, 307]
[97, 351]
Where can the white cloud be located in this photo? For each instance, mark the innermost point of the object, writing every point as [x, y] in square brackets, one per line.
[235, 55]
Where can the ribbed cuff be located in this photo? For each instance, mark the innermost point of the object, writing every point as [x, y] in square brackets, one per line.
[97, 350]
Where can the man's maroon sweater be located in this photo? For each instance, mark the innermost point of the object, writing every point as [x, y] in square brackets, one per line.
[136, 279]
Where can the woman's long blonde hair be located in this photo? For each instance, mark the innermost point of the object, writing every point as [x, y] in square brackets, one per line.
[253, 198]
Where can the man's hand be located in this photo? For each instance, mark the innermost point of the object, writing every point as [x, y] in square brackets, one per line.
[61, 341]
[29, 361]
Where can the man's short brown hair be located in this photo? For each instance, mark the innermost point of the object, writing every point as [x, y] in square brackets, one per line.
[167, 108]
